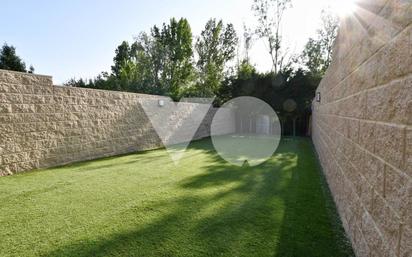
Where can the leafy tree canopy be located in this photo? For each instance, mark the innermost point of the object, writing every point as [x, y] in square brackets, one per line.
[9, 60]
[317, 55]
[168, 61]
[215, 47]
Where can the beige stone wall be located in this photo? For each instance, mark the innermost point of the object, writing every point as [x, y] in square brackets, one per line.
[362, 128]
[42, 125]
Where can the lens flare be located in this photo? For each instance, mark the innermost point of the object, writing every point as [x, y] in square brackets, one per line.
[343, 7]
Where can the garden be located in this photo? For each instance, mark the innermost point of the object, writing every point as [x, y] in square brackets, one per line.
[144, 205]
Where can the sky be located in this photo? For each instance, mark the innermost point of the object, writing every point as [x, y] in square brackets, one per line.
[77, 38]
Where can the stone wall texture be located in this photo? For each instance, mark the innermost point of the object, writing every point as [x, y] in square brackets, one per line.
[42, 125]
[362, 127]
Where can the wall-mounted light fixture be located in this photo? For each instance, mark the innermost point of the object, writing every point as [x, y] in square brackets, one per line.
[318, 98]
[161, 103]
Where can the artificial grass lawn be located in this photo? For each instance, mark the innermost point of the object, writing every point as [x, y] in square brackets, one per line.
[144, 205]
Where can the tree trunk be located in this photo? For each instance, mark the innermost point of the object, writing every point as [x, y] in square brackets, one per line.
[294, 127]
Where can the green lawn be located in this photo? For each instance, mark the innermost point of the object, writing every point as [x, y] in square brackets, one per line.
[144, 205]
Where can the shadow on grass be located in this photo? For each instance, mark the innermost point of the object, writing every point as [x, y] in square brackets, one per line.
[275, 209]
[311, 225]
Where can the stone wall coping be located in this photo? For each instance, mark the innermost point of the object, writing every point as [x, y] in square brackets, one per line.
[26, 73]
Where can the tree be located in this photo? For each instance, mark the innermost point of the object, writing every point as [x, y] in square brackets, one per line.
[215, 48]
[246, 70]
[328, 34]
[269, 14]
[101, 81]
[247, 42]
[175, 40]
[317, 54]
[162, 62]
[313, 58]
[148, 65]
[289, 93]
[9, 59]
[73, 82]
[140, 71]
[122, 55]
[157, 63]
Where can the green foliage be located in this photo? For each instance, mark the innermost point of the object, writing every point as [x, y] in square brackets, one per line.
[162, 61]
[166, 61]
[275, 89]
[174, 41]
[101, 81]
[246, 70]
[157, 63]
[313, 58]
[144, 72]
[123, 54]
[215, 48]
[144, 205]
[269, 14]
[9, 60]
[317, 55]
[278, 90]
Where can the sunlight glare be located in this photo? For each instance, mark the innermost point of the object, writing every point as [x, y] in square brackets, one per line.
[343, 7]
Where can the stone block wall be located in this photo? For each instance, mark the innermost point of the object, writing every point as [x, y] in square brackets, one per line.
[42, 125]
[362, 127]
